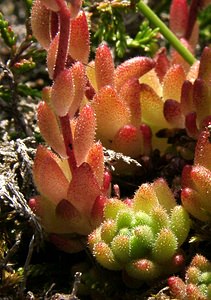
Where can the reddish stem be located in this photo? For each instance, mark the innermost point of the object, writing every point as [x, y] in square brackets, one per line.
[67, 135]
[64, 26]
[64, 20]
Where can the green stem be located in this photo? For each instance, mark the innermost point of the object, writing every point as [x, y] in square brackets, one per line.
[168, 34]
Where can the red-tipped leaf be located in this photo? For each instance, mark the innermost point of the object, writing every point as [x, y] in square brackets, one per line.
[83, 189]
[62, 92]
[130, 94]
[104, 66]
[52, 54]
[173, 113]
[111, 113]
[132, 68]
[128, 140]
[79, 81]
[40, 23]
[49, 178]
[79, 39]
[179, 17]
[49, 128]
[84, 134]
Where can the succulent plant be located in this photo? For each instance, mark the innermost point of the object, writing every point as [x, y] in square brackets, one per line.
[196, 180]
[197, 284]
[142, 236]
[117, 102]
[178, 93]
[72, 180]
[112, 92]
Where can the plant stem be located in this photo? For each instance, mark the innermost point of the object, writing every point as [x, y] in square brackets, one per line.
[61, 60]
[168, 34]
[64, 19]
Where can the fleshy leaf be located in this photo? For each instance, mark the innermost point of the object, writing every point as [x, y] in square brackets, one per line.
[205, 65]
[200, 262]
[54, 223]
[164, 246]
[104, 66]
[177, 286]
[108, 230]
[49, 178]
[178, 17]
[193, 292]
[95, 159]
[128, 140]
[66, 210]
[112, 208]
[141, 241]
[79, 39]
[193, 72]
[145, 198]
[83, 189]
[202, 179]
[151, 107]
[75, 6]
[40, 23]
[177, 59]
[120, 246]
[172, 82]
[132, 68]
[49, 128]
[90, 72]
[62, 92]
[191, 202]
[190, 125]
[142, 269]
[186, 177]
[52, 54]
[162, 64]
[79, 81]
[160, 219]
[97, 210]
[51, 4]
[164, 194]
[201, 99]
[187, 97]
[151, 78]
[109, 120]
[203, 150]
[105, 256]
[84, 134]
[173, 113]
[194, 38]
[180, 224]
[94, 237]
[130, 94]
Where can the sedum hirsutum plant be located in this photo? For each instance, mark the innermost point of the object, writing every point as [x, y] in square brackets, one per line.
[196, 180]
[177, 91]
[117, 102]
[142, 236]
[71, 178]
[197, 283]
[94, 104]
